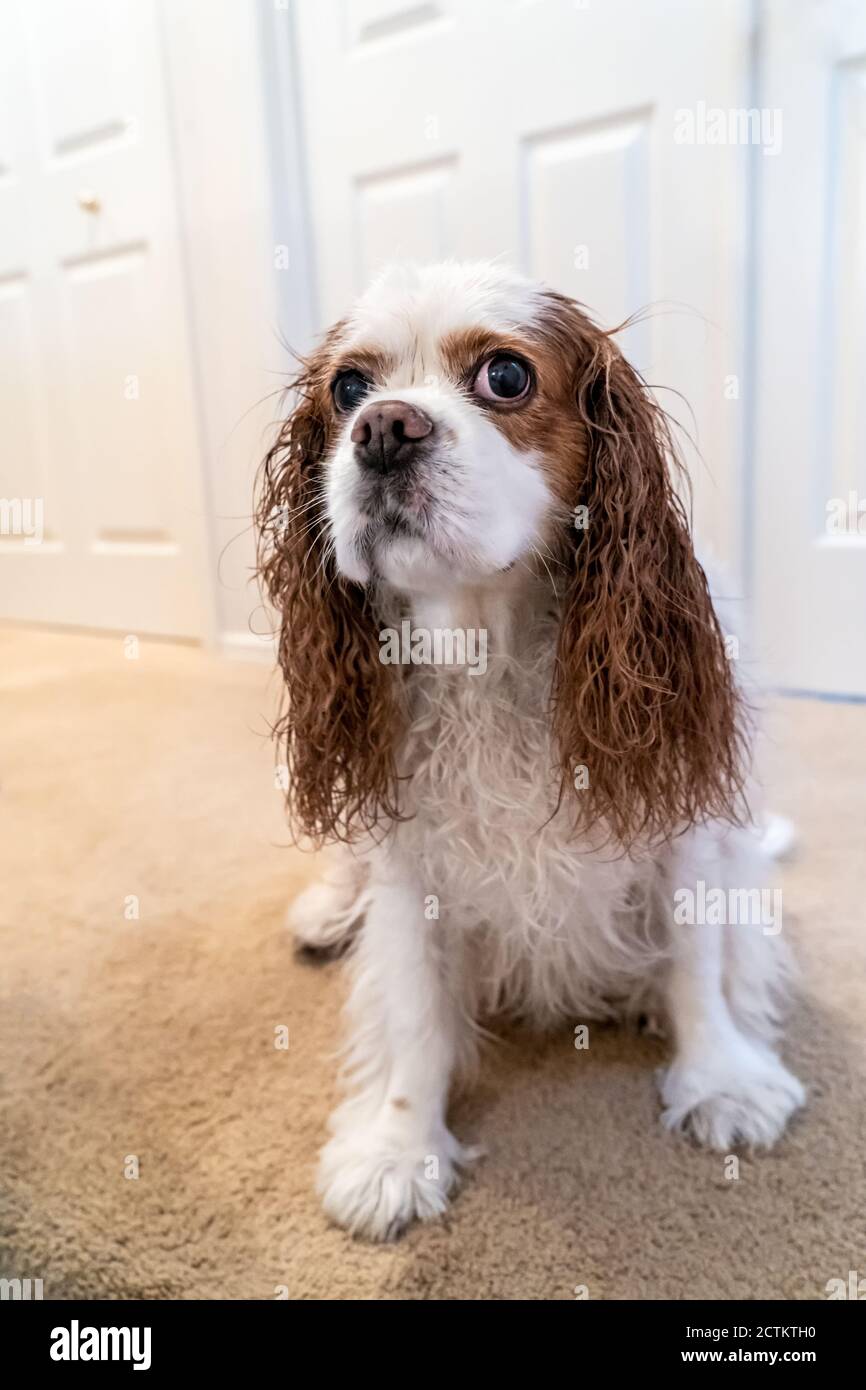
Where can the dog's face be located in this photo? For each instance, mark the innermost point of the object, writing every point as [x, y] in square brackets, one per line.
[459, 422]
[451, 414]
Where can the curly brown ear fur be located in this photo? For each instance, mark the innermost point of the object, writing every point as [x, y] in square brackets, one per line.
[643, 693]
[340, 721]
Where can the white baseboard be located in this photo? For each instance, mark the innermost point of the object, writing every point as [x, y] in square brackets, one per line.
[246, 646]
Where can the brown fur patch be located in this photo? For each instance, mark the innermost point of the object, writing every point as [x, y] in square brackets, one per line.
[643, 693]
[372, 363]
[547, 423]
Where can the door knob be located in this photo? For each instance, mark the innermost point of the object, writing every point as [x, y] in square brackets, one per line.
[88, 201]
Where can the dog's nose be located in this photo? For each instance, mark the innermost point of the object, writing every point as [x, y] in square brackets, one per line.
[386, 432]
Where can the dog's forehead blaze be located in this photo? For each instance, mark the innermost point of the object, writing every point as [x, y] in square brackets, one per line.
[411, 314]
[435, 300]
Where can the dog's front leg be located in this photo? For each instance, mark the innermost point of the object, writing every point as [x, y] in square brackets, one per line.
[392, 1158]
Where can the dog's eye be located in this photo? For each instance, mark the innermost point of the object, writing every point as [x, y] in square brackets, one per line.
[502, 378]
[349, 389]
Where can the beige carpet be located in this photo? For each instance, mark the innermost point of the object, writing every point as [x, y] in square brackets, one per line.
[153, 1036]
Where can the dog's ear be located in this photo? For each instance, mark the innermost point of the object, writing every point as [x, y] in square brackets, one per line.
[646, 709]
[339, 722]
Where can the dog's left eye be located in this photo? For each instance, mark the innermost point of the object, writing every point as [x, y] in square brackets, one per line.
[349, 389]
[503, 378]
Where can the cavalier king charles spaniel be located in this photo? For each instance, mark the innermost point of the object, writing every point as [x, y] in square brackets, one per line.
[560, 832]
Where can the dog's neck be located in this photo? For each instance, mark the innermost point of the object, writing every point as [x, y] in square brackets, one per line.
[509, 609]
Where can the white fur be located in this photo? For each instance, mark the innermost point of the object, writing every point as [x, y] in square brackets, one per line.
[411, 308]
[528, 920]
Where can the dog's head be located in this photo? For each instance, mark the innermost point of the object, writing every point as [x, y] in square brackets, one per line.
[462, 419]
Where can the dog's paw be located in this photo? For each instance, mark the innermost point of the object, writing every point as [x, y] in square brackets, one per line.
[322, 919]
[745, 1098]
[374, 1184]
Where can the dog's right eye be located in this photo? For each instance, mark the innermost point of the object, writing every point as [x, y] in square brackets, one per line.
[349, 389]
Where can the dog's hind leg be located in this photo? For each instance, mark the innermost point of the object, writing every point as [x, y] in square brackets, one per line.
[726, 1084]
[327, 914]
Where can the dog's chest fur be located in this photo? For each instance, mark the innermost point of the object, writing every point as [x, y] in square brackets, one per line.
[553, 928]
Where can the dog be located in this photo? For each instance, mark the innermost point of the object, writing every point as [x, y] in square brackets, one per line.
[469, 453]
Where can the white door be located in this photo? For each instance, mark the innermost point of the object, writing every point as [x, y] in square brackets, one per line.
[567, 137]
[101, 517]
[810, 513]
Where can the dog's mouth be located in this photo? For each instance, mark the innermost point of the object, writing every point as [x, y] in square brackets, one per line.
[394, 509]
[406, 542]
[401, 499]
[395, 526]
[389, 532]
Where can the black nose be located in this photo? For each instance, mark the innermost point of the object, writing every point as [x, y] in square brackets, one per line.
[386, 432]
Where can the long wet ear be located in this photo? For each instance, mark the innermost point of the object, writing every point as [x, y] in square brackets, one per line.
[644, 697]
[338, 726]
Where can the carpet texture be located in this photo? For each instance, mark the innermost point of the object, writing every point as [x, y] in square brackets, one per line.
[145, 969]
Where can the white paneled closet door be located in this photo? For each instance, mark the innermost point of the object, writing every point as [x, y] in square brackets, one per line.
[102, 517]
[810, 515]
[551, 133]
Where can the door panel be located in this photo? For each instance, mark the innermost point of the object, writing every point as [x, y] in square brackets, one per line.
[810, 523]
[96, 371]
[596, 178]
